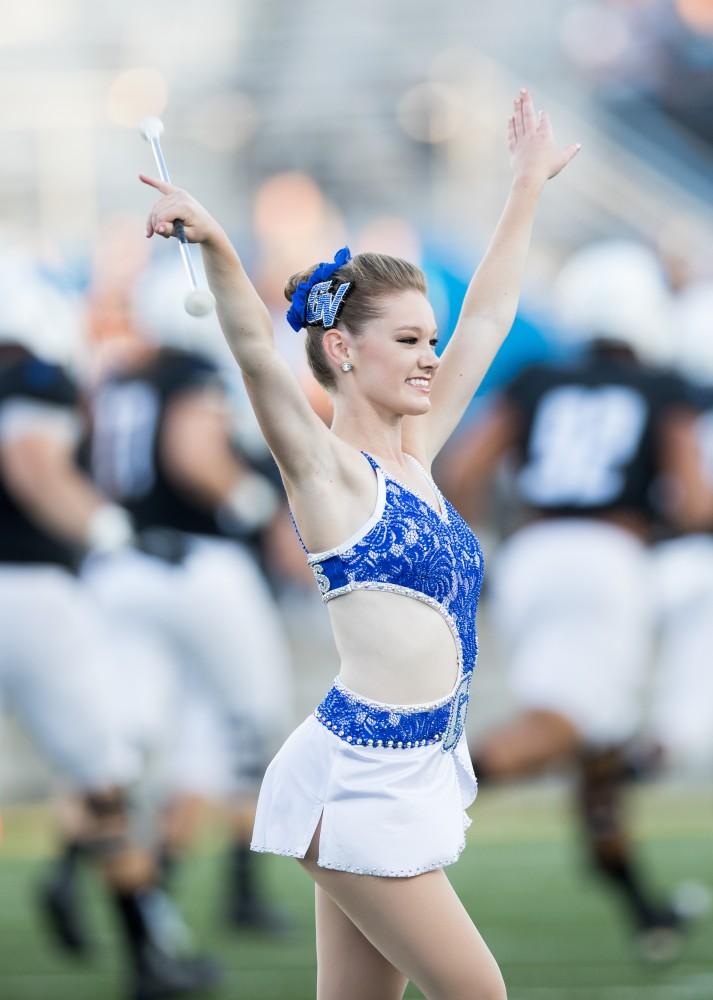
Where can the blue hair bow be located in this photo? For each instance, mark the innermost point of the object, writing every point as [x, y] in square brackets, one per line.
[303, 303]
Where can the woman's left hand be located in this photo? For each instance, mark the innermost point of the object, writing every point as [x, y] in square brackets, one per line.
[534, 154]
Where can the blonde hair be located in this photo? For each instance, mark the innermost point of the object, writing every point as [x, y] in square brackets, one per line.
[373, 276]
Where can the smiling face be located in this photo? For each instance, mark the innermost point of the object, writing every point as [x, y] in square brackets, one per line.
[394, 357]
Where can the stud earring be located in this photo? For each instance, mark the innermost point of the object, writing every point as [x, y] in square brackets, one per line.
[347, 366]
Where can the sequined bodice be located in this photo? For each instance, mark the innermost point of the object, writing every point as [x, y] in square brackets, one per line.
[409, 548]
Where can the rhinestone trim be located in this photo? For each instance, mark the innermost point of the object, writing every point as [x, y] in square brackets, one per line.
[389, 706]
[397, 872]
[273, 850]
[371, 724]
[381, 872]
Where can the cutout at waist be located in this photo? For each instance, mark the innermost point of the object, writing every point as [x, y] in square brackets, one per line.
[393, 649]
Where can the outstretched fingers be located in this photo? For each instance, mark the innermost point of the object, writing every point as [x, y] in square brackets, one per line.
[524, 119]
[531, 141]
[516, 119]
[544, 124]
[527, 111]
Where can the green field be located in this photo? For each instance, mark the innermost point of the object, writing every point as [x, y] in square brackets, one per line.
[552, 929]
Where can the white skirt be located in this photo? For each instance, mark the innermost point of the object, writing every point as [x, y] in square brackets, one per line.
[388, 812]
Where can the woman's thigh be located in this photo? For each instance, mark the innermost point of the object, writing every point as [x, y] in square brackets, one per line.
[417, 924]
[348, 966]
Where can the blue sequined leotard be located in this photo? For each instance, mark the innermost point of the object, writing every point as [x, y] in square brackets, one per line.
[408, 548]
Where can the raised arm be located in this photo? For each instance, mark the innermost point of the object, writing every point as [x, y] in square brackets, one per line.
[297, 437]
[491, 301]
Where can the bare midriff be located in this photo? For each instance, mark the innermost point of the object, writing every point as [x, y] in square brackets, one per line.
[393, 648]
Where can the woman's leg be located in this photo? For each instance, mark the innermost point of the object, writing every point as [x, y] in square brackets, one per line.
[348, 966]
[417, 925]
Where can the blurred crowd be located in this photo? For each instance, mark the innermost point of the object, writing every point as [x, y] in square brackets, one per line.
[655, 57]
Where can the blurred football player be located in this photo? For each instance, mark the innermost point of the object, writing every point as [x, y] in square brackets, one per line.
[54, 645]
[682, 710]
[161, 446]
[571, 589]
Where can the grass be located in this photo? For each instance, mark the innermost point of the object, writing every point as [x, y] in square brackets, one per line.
[555, 932]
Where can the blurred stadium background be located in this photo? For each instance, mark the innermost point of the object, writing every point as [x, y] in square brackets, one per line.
[303, 126]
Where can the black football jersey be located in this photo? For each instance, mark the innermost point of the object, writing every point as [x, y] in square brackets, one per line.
[589, 434]
[126, 458]
[702, 402]
[26, 378]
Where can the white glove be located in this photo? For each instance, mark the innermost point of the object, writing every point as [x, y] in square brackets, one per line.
[251, 505]
[109, 529]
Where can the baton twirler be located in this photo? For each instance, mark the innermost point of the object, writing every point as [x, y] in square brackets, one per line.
[198, 301]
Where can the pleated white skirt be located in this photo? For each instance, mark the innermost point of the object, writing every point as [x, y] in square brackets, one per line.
[388, 812]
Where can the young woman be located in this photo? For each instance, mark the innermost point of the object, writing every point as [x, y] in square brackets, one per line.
[370, 791]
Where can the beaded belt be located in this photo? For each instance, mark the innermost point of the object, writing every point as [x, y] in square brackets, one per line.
[358, 720]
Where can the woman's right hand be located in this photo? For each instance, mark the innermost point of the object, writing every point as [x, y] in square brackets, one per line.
[175, 203]
[534, 153]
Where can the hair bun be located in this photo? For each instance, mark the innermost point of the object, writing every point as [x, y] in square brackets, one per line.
[294, 280]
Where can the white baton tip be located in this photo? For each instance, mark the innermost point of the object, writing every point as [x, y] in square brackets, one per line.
[199, 302]
[151, 128]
